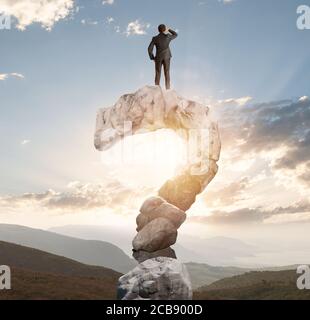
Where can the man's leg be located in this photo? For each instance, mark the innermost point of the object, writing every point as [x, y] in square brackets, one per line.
[167, 72]
[158, 65]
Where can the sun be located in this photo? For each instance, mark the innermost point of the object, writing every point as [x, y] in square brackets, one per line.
[149, 158]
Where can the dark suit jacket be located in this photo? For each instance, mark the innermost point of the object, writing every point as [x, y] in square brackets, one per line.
[162, 42]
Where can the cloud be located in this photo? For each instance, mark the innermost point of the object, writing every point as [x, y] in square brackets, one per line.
[44, 12]
[298, 207]
[137, 28]
[89, 22]
[24, 142]
[304, 98]
[4, 76]
[110, 20]
[226, 1]
[231, 193]
[240, 101]
[269, 143]
[240, 216]
[17, 75]
[305, 175]
[277, 131]
[81, 197]
[298, 153]
[297, 212]
[109, 2]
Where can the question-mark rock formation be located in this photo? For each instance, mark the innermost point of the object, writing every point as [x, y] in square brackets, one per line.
[159, 275]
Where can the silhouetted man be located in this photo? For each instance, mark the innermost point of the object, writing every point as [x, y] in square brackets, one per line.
[163, 53]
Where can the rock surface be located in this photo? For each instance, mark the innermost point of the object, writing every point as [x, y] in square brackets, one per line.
[151, 109]
[156, 207]
[151, 204]
[156, 235]
[142, 256]
[183, 189]
[159, 276]
[156, 279]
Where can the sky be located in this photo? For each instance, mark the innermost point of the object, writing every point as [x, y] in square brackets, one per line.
[62, 60]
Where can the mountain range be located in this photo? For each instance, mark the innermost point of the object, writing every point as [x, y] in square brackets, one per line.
[105, 254]
[91, 252]
[216, 251]
[100, 253]
[38, 275]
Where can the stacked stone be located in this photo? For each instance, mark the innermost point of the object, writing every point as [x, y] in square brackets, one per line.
[159, 275]
[160, 217]
[157, 226]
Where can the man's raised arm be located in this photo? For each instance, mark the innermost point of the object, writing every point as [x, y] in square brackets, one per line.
[151, 49]
[173, 34]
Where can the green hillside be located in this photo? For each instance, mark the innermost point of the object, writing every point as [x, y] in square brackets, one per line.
[203, 274]
[39, 275]
[265, 285]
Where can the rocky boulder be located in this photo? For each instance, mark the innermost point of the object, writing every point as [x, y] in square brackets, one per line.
[156, 279]
[156, 235]
[156, 207]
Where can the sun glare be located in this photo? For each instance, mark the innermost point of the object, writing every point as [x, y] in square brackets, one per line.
[148, 158]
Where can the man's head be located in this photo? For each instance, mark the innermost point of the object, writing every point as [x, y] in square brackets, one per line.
[162, 28]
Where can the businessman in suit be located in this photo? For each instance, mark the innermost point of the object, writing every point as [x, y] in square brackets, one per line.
[163, 53]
